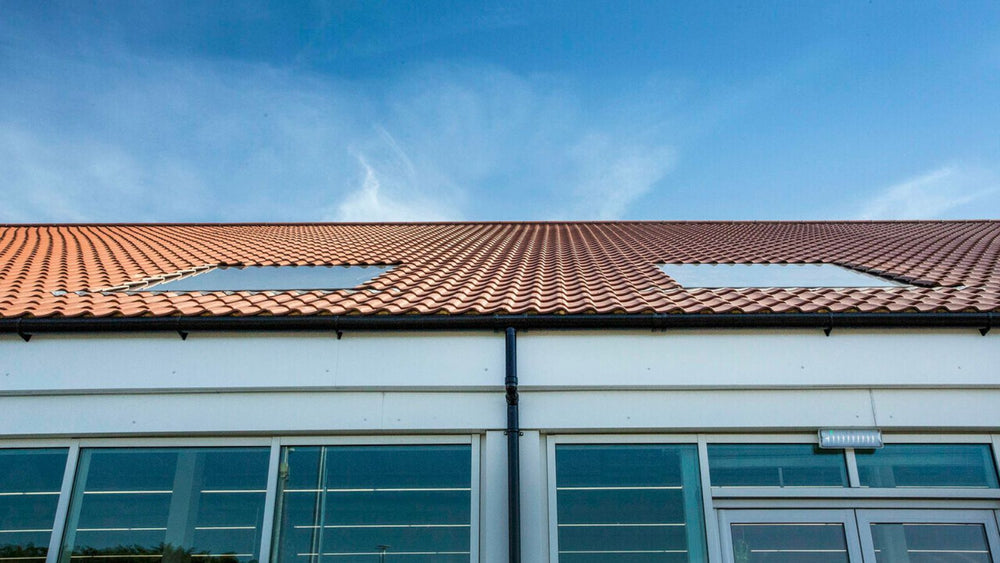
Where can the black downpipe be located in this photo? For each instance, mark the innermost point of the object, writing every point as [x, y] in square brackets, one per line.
[513, 448]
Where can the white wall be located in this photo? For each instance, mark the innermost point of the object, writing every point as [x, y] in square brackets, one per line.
[421, 382]
[438, 383]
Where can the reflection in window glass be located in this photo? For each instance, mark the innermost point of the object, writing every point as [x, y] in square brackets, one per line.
[928, 465]
[29, 491]
[776, 465]
[201, 505]
[629, 503]
[371, 504]
[930, 543]
[789, 543]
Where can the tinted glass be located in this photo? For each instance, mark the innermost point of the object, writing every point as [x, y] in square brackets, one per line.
[629, 503]
[29, 491]
[771, 275]
[776, 465]
[928, 465]
[262, 278]
[369, 504]
[930, 543]
[178, 505]
[789, 543]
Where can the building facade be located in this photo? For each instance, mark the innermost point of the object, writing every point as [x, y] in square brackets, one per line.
[656, 421]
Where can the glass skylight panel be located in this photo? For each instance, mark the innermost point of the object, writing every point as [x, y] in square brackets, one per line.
[274, 278]
[771, 275]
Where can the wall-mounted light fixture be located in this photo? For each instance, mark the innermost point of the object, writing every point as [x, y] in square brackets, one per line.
[866, 439]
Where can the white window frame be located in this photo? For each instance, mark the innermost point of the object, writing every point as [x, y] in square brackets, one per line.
[988, 518]
[790, 516]
[552, 440]
[716, 500]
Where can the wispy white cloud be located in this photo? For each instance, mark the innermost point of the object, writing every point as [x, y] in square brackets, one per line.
[611, 177]
[382, 197]
[121, 137]
[945, 192]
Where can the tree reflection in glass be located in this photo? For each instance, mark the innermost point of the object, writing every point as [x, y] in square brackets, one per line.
[176, 505]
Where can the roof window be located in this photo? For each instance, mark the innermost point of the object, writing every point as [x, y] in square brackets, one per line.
[772, 275]
[272, 278]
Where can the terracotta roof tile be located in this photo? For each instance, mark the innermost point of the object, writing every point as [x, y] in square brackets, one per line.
[495, 268]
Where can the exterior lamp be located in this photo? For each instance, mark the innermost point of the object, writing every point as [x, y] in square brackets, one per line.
[867, 439]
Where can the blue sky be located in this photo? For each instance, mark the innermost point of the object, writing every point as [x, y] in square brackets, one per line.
[434, 110]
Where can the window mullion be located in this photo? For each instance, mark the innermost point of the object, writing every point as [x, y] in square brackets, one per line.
[711, 518]
[62, 507]
[852, 468]
[267, 526]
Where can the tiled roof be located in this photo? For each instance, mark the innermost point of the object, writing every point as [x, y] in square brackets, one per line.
[497, 268]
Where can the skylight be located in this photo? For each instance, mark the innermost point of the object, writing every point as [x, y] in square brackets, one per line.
[273, 278]
[771, 275]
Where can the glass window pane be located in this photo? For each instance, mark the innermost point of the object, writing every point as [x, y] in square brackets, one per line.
[776, 465]
[789, 543]
[180, 505]
[928, 465]
[931, 543]
[629, 503]
[375, 503]
[29, 491]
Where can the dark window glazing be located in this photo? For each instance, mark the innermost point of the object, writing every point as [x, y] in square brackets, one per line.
[30, 481]
[629, 503]
[928, 465]
[200, 505]
[371, 504]
[776, 465]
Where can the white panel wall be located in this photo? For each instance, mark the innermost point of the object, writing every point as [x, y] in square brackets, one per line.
[224, 413]
[749, 359]
[434, 382]
[260, 361]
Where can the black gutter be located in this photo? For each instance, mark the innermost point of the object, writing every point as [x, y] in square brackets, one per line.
[654, 321]
[513, 450]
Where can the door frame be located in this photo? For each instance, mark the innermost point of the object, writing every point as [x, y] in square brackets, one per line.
[846, 517]
[867, 517]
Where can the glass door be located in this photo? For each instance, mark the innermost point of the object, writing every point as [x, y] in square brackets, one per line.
[925, 536]
[842, 536]
[789, 536]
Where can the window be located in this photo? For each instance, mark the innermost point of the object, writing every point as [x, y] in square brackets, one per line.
[30, 481]
[630, 503]
[928, 465]
[269, 278]
[776, 465]
[180, 505]
[771, 275]
[408, 503]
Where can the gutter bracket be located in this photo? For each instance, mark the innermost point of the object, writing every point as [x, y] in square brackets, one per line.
[183, 334]
[24, 335]
[659, 322]
[829, 324]
[989, 324]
